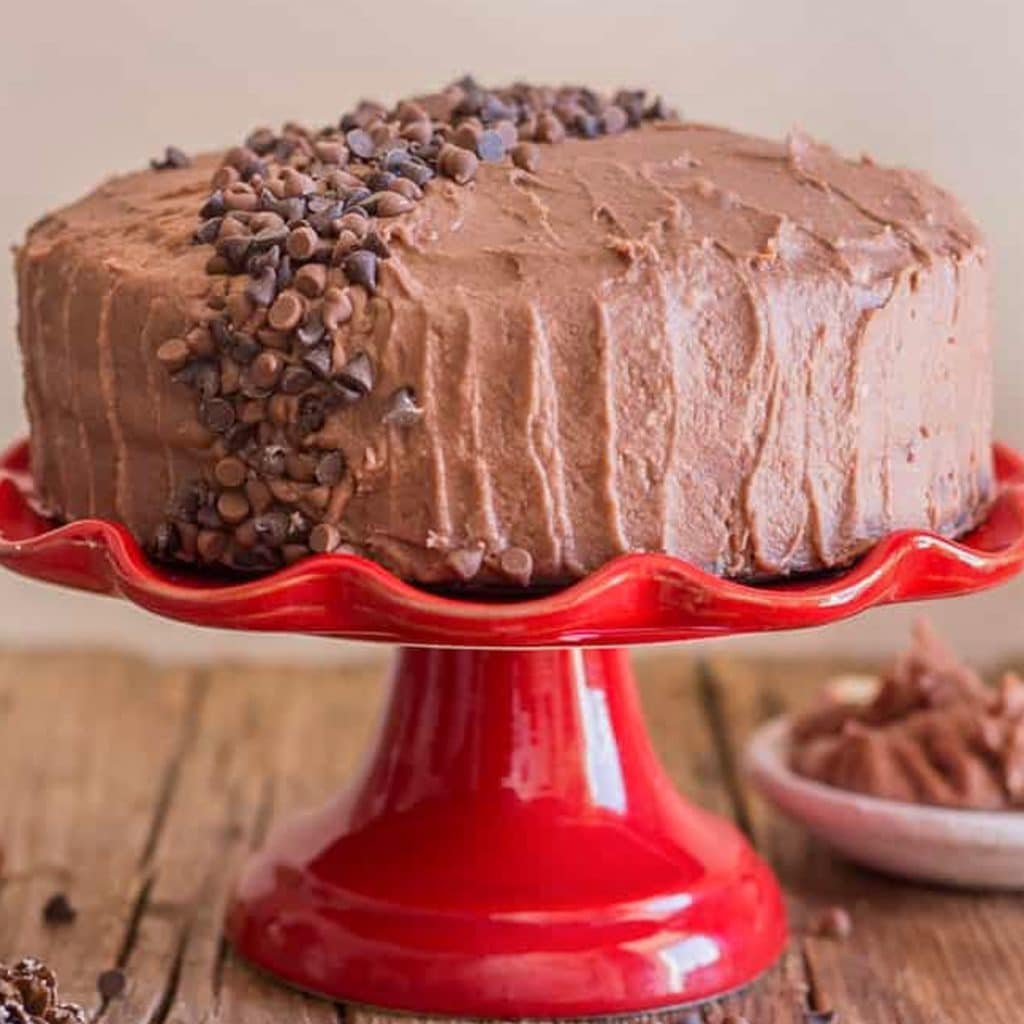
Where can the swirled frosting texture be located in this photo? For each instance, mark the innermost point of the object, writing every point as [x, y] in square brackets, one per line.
[757, 356]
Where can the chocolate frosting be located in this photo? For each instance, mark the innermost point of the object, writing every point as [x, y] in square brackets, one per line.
[758, 356]
[934, 733]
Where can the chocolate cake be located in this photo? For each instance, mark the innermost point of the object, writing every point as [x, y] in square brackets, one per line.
[494, 336]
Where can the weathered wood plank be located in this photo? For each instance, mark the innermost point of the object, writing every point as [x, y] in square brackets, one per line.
[87, 748]
[267, 740]
[917, 955]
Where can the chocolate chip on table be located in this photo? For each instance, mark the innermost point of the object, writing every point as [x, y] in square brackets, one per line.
[111, 984]
[832, 923]
[58, 910]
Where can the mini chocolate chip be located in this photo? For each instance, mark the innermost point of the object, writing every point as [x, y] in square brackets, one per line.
[526, 156]
[207, 232]
[549, 128]
[258, 491]
[202, 375]
[330, 469]
[211, 545]
[295, 380]
[266, 369]
[271, 528]
[614, 120]
[302, 242]
[312, 329]
[490, 146]
[174, 353]
[324, 537]
[235, 249]
[272, 460]
[587, 125]
[380, 181]
[238, 436]
[357, 374]
[319, 360]
[375, 244]
[465, 562]
[415, 170]
[311, 280]
[392, 204]
[268, 237]
[360, 143]
[402, 409]
[213, 207]
[287, 311]
[233, 507]
[58, 910]
[356, 197]
[244, 348]
[111, 984]
[458, 164]
[517, 565]
[361, 268]
[216, 414]
[311, 414]
[229, 472]
[821, 1017]
[173, 159]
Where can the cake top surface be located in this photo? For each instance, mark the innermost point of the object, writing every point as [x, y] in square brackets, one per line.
[608, 199]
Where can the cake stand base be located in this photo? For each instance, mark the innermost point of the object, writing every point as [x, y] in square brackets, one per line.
[511, 848]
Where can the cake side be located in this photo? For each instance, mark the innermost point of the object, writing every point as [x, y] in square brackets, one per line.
[756, 356]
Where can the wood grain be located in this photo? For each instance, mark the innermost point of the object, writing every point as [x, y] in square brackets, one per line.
[138, 790]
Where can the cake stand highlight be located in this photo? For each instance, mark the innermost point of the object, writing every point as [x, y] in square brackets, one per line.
[511, 846]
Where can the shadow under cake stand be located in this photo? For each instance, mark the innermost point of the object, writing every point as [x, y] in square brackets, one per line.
[511, 846]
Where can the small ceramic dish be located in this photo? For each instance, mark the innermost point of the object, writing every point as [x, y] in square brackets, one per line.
[973, 849]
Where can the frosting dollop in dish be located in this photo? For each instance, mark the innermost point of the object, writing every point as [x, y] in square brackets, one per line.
[933, 733]
[496, 337]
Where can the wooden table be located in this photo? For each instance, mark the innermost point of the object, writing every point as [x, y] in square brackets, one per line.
[137, 789]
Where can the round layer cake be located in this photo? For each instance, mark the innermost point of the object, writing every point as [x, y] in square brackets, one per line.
[492, 337]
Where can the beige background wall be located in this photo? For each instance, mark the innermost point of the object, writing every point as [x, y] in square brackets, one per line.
[90, 87]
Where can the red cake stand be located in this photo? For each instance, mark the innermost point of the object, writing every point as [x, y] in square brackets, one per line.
[511, 846]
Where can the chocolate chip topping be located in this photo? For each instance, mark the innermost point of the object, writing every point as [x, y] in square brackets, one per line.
[301, 224]
[172, 159]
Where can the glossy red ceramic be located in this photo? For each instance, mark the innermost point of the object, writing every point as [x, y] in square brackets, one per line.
[511, 848]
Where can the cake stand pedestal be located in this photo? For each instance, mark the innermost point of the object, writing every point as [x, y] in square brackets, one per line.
[511, 846]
